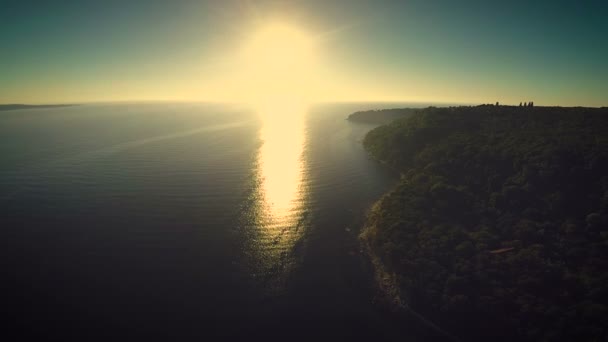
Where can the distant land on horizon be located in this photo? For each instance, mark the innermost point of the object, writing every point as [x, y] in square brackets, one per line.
[381, 116]
[17, 106]
[385, 116]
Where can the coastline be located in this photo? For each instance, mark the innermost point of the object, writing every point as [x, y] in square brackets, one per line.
[386, 283]
[388, 293]
[435, 241]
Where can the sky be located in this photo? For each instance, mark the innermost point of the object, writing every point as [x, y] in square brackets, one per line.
[549, 52]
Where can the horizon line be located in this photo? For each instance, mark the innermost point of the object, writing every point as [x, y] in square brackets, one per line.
[447, 103]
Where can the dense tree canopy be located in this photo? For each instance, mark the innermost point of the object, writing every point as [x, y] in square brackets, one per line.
[498, 228]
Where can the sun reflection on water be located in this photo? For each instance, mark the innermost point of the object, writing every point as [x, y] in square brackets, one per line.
[281, 195]
[280, 161]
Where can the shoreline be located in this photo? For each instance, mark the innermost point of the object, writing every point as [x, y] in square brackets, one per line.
[385, 282]
[387, 291]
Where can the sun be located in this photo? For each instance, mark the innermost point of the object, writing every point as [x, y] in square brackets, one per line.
[278, 63]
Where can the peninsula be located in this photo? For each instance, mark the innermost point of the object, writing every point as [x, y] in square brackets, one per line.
[498, 227]
[381, 116]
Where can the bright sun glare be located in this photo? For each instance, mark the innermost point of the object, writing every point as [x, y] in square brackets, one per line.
[279, 65]
[278, 69]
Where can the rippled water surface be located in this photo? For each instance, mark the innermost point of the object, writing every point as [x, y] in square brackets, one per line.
[187, 220]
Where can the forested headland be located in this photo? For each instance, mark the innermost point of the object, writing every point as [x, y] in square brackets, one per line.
[381, 116]
[498, 227]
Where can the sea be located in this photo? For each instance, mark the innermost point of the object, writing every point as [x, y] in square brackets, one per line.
[175, 221]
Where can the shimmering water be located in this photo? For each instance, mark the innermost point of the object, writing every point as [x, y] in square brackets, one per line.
[187, 220]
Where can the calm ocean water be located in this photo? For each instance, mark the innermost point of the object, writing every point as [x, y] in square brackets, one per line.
[187, 220]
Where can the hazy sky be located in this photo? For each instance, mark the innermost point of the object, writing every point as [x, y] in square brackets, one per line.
[551, 52]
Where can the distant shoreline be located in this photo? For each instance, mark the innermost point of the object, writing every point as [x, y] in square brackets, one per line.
[6, 107]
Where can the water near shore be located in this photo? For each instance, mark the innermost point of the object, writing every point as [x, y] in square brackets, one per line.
[187, 220]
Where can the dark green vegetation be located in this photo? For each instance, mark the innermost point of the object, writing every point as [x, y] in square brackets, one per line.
[498, 228]
[381, 116]
[24, 106]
